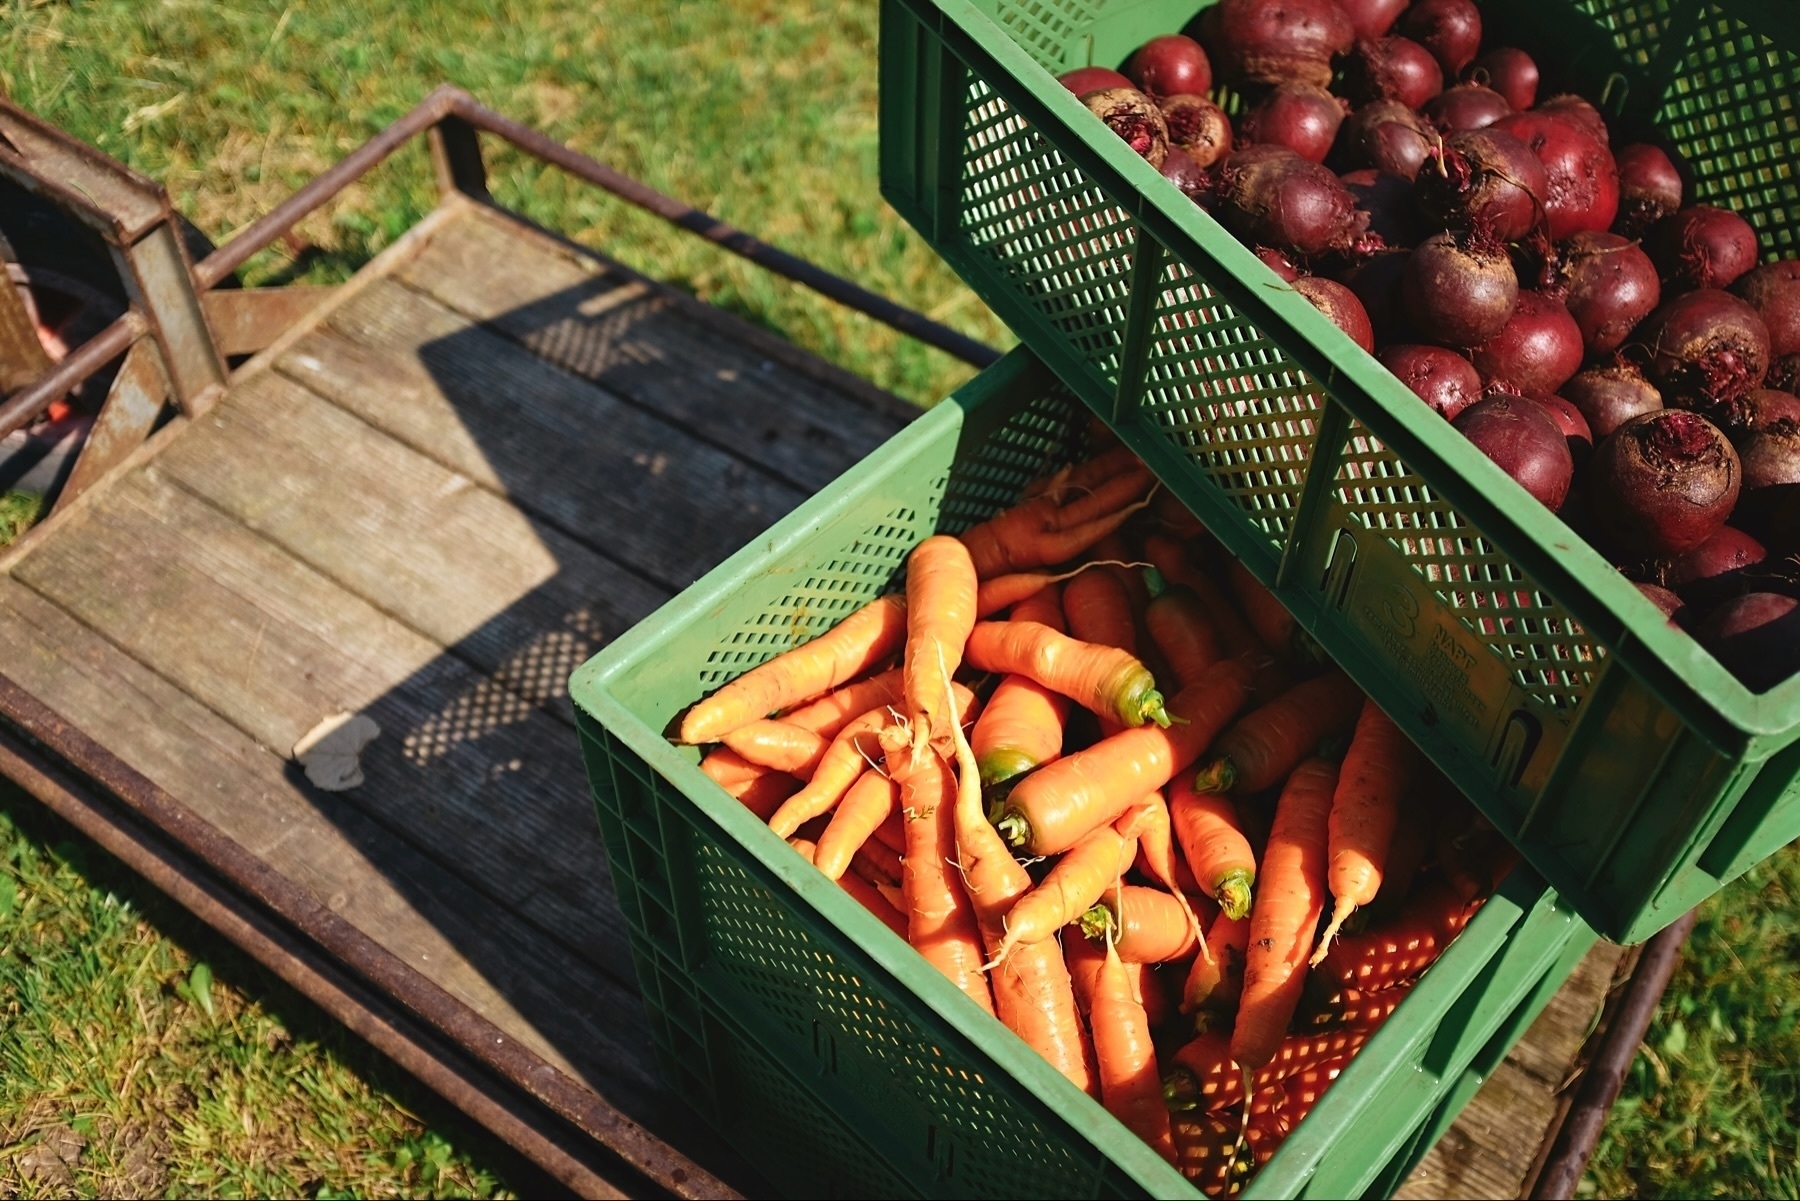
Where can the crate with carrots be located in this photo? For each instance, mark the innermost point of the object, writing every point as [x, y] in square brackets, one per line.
[988, 815]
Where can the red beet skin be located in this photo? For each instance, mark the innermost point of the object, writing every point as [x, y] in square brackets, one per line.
[1702, 247]
[1199, 127]
[1582, 181]
[1537, 349]
[1301, 116]
[1609, 284]
[1716, 564]
[1392, 69]
[1341, 305]
[1774, 291]
[1372, 18]
[1756, 637]
[1376, 282]
[1387, 136]
[1285, 201]
[1763, 407]
[1458, 293]
[1275, 41]
[1521, 436]
[1770, 505]
[1650, 188]
[1388, 200]
[1465, 106]
[1573, 425]
[1130, 114]
[1670, 604]
[1578, 111]
[1705, 350]
[1662, 484]
[1450, 29]
[1083, 80]
[1483, 179]
[1610, 396]
[1174, 65]
[1509, 71]
[1443, 379]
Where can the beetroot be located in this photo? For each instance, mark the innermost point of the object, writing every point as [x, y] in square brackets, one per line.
[1459, 292]
[1609, 284]
[1771, 496]
[1662, 484]
[1083, 80]
[1180, 169]
[1139, 123]
[1672, 606]
[1198, 126]
[1485, 180]
[1372, 18]
[1465, 106]
[1756, 637]
[1773, 289]
[1763, 407]
[1388, 200]
[1376, 282]
[1341, 305]
[1537, 349]
[1509, 71]
[1392, 69]
[1581, 180]
[1443, 379]
[1450, 29]
[1387, 136]
[1702, 247]
[1280, 262]
[1608, 397]
[1521, 436]
[1573, 425]
[1650, 188]
[1578, 111]
[1283, 200]
[1706, 349]
[1275, 41]
[1174, 65]
[1715, 568]
[1301, 116]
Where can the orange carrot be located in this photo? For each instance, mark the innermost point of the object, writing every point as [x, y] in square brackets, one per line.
[1180, 629]
[847, 650]
[833, 711]
[862, 811]
[1003, 592]
[1216, 979]
[806, 848]
[1406, 854]
[1401, 949]
[1130, 1085]
[771, 743]
[1098, 609]
[729, 770]
[1073, 885]
[1032, 991]
[940, 606]
[1290, 895]
[760, 789]
[1020, 728]
[892, 832]
[1148, 821]
[1077, 478]
[1106, 680]
[1377, 770]
[856, 746]
[1233, 632]
[1213, 842]
[1259, 751]
[870, 898]
[1145, 925]
[1045, 530]
[877, 863]
[1275, 627]
[1057, 804]
[1043, 607]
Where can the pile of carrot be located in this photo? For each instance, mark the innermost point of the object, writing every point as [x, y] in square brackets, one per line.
[1093, 772]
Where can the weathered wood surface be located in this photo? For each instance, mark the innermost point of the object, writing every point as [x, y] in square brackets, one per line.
[1491, 1148]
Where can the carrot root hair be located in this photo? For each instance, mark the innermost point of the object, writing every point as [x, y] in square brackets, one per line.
[1339, 914]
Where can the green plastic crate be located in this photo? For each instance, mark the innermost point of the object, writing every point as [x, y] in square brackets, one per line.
[820, 1044]
[1627, 765]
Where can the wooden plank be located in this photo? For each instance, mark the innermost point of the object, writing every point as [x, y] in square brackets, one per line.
[465, 770]
[636, 338]
[517, 598]
[622, 481]
[585, 1020]
[1548, 1050]
[245, 320]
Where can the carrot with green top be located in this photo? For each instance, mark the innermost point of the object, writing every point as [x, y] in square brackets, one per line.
[868, 803]
[768, 742]
[1146, 925]
[1074, 884]
[1377, 770]
[1108, 681]
[1098, 609]
[1020, 728]
[1206, 826]
[853, 647]
[1046, 530]
[940, 606]
[1054, 806]
[1179, 627]
[1259, 751]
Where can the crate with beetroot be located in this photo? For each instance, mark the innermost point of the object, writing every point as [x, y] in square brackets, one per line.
[1468, 329]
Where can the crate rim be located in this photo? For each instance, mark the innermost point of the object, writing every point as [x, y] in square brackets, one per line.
[1611, 610]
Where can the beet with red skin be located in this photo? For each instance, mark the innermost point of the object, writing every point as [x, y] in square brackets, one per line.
[1577, 110]
[1573, 425]
[1704, 351]
[1483, 179]
[1085, 80]
[1523, 439]
[1372, 18]
[1702, 247]
[1510, 72]
[1650, 188]
[1173, 65]
[1341, 305]
[1376, 282]
[1761, 408]
[1280, 262]
[1443, 379]
[1773, 289]
[1285, 201]
[1458, 291]
[1756, 637]
[1672, 606]
[1608, 397]
[1464, 107]
[1715, 569]
[1771, 497]
[1536, 351]
[1662, 484]
[1199, 127]
[1387, 136]
[1580, 177]
[1609, 284]
[1275, 41]
[1180, 169]
[1450, 29]
[1300, 116]
[1138, 122]
[1392, 69]
[1388, 200]
[1784, 373]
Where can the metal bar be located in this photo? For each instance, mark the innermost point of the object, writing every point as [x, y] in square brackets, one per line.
[1605, 1074]
[490, 1045]
[272, 224]
[22, 356]
[456, 157]
[86, 359]
[126, 419]
[914, 325]
[160, 282]
[363, 1012]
